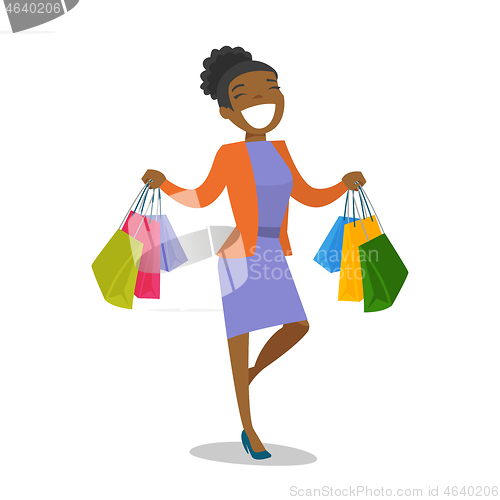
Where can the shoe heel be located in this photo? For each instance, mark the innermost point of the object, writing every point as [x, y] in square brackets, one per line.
[244, 440]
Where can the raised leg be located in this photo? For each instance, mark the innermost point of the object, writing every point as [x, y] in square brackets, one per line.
[238, 352]
[283, 340]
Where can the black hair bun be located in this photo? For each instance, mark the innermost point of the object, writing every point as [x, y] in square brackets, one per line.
[217, 64]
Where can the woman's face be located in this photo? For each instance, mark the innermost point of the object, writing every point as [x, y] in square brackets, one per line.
[257, 102]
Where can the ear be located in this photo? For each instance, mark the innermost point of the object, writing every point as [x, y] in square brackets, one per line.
[225, 112]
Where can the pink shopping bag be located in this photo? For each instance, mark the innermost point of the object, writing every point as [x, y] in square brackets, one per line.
[148, 277]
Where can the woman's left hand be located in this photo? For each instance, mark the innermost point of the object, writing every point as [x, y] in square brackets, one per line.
[352, 178]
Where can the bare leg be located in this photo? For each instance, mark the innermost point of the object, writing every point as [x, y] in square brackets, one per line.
[238, 352]
[283, 340]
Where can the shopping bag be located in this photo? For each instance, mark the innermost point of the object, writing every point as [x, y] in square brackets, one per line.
[171, 252]
[383, 273]
[330, 253]
[147, 231]
[116, 268]
[355, 234]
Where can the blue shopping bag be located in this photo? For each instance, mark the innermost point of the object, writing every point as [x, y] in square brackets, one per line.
[329, 255]
[172, 253]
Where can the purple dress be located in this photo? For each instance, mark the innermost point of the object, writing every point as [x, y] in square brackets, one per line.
[259, 291]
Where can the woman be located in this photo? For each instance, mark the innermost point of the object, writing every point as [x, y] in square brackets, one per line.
[256, 285]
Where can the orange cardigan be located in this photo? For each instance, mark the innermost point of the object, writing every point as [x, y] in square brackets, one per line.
[232, 168]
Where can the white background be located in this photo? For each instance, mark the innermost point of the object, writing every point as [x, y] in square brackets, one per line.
[103, 403]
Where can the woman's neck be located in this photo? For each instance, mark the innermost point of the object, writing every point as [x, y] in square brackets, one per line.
[254, 137]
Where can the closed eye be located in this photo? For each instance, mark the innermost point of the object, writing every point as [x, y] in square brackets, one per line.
[276, 87]
[236, 96]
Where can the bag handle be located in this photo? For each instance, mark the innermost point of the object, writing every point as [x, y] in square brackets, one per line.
[353, 212]
[157, 205]
[144, 192]
[373, 208]
[139, 196]
[152, 203]
[144, 202]
[362, 207]
[347, 205]
[144, 216]
[346, 208]
[366, 203]
[361, 220]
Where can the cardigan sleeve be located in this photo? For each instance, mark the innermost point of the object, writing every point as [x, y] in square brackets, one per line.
[205, 194]
[302, 191]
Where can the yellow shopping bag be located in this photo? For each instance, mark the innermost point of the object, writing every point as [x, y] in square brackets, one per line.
[351, 274]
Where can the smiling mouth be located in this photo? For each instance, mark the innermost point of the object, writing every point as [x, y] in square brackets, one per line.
[259, 116]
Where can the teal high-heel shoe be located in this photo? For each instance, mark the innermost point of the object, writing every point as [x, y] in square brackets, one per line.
[258, 455]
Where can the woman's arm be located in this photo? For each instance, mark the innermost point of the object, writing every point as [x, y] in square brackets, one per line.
[200, 197]
[306, 194]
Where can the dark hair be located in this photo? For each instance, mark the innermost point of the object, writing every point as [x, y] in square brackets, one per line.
[222, 67]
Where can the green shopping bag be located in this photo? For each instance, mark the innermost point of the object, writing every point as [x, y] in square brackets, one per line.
[116, 267]
[383, 272]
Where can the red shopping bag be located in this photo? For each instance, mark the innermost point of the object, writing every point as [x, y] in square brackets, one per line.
[147, 231]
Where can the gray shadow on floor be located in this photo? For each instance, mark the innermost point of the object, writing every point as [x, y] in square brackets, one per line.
[233, 453]
[194, 309]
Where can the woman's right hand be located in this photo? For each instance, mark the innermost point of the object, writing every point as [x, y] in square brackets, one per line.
[156, 177]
